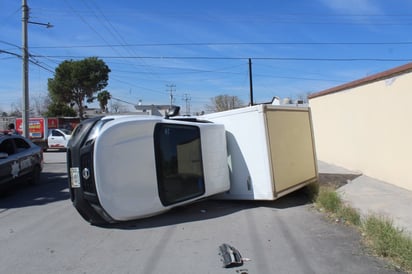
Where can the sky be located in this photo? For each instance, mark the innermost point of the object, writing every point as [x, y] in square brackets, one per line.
[196, 50]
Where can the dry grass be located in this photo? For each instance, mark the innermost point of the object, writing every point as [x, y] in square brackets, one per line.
[380, 235]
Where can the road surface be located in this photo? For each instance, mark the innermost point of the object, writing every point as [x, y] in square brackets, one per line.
[41, 232]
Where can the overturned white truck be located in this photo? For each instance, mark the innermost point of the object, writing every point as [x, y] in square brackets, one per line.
[123, 168]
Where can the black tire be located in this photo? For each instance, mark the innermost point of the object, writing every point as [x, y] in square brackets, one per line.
[35, 176]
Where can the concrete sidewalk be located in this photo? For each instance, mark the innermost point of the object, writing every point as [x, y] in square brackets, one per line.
[372, 196]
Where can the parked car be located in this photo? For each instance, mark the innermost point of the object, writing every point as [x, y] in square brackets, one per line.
[20, 160]
[58, 138]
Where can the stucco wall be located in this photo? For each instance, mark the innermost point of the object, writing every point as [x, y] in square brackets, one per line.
[368, 129]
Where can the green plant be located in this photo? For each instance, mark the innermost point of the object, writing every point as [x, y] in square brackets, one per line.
[350, 215]
[388, 241]
[329, 200]
[380, 234]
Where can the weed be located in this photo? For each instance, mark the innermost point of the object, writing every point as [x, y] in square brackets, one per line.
[381, 235]
[350, 215]
[388, 241]
[329, 200]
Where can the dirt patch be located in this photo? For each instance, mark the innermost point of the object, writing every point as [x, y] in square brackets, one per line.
[336, 180]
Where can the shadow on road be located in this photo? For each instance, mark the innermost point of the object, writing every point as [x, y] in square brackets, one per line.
[53, 188]
[210, 209]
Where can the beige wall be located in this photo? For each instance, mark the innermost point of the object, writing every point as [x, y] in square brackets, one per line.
[368, 129]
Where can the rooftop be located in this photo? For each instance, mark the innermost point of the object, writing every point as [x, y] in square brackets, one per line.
[363, 81]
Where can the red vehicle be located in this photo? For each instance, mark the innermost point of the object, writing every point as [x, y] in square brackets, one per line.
[39, 127]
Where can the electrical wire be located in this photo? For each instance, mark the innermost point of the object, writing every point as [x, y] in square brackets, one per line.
[238, 58]
[231, 44]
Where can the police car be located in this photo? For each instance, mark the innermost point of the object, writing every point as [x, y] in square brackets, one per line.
[20, 160]
[129, 167]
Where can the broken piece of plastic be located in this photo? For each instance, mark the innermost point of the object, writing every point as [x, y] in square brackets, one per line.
[231, 256]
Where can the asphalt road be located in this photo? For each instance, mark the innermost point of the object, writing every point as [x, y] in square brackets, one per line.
[41, 232]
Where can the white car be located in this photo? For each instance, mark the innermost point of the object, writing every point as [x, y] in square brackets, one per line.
[58, 138]
[129, 167]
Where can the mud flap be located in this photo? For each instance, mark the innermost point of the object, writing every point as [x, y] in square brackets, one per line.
[231, 256]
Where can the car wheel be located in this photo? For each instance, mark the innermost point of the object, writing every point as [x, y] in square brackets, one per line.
[35, 176]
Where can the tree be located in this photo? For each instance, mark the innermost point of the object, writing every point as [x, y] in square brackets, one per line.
[117, 107]
[59, 109]
[103, 98]
[39, 104]
[224, 102]
[15, 109]
[75, 81]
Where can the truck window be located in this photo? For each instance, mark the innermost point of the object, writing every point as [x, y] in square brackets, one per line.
[179, 165]
[57, 133]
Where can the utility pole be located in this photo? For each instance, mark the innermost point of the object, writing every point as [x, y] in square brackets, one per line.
[25, 99]
[186, 98]
[250, 82]
[25, 77]
[172, 88]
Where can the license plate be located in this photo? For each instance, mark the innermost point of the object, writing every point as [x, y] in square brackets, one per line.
[75, 177]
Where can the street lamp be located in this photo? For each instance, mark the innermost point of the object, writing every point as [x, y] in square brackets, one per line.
[25, 80]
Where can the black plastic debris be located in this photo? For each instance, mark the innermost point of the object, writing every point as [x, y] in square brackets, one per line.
[231, 256]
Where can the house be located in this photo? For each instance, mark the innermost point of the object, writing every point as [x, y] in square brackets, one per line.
[157, 110]
[365, 125]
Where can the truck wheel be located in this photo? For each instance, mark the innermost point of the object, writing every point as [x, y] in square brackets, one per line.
[35, 176]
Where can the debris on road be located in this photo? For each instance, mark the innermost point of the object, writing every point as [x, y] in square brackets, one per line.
[231, 256]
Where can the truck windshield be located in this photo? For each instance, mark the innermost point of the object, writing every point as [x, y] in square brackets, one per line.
[178, 162]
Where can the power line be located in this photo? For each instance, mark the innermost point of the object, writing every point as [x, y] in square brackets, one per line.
[34, 62]
[228, 44]
[236, 58]
[123, 101]
[275, 18]
[10, 53]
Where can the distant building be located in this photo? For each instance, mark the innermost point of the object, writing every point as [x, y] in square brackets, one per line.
[5, 121]
[92, 112]
[156, 110]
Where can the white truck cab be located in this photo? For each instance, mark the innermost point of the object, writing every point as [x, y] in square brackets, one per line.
[129, 167]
